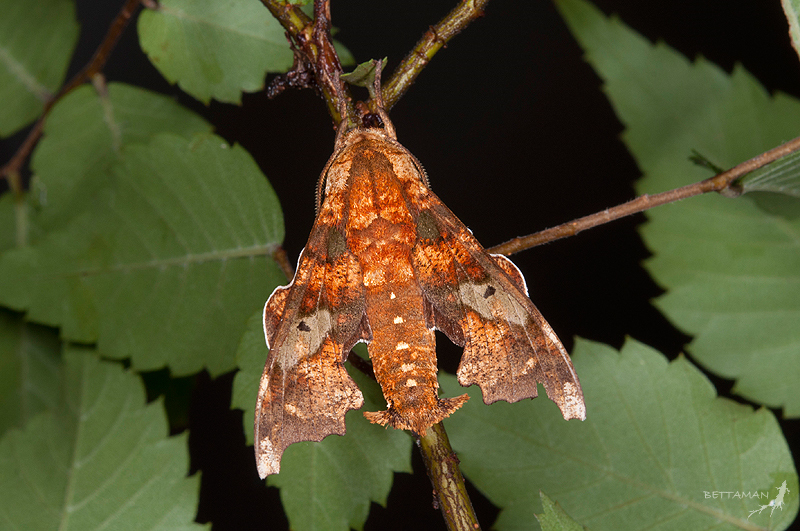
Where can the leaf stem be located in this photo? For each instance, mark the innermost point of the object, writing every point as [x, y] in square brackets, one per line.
[448, 483]
[724, 183]
[282, 258]
[431, 42]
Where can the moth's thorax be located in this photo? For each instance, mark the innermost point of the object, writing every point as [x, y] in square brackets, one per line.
[379, 224]
[337, 171]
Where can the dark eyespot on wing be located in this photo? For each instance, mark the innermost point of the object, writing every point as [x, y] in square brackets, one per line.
[426, 226]
[336, 244]
[303, 327]
[489, 292]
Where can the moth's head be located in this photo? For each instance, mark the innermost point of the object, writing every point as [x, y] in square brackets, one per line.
[364, 118]
[374, 128]
[349, 135]
[374, 120]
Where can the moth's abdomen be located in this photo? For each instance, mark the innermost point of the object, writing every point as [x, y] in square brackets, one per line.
[403, 353]
[381, 233]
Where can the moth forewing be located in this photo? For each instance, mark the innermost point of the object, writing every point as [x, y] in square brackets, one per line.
[480, 301]
[310, 325]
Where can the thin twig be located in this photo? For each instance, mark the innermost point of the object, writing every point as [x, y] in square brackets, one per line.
[448, 483]
[431, 42]
[281, 257]
[363, 365]
[312, 40]
[11, 169]
[724, 183]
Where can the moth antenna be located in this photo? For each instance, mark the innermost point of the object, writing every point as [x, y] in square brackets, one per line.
[378, 97]
[421, 170]
[318, 195]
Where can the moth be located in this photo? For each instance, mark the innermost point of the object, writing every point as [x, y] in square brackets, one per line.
[387, 263]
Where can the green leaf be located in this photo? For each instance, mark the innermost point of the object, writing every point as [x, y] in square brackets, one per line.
[553, 517]
[731, 267]
[792, 8]
[43, 282]
[734, 283]
[655, 441]
[251, 356]
[103, 461]
[364, 74]
[86, 133]
[36, 42]
[345, 55]
[781, 176]
[29, 370]
[214, 49]
[167, 265]
[330, 484]
[13, 221]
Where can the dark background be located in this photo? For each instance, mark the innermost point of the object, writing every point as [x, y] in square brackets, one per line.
[516, 136]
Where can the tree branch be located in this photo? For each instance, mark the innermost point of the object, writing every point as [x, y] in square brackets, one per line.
[724, 183]
[431, 42]
[282, 259]
[312, 42]
[11, 169]
[448, 483]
